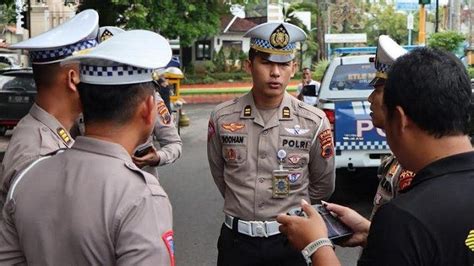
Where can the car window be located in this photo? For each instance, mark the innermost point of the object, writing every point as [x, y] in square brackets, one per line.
[20, 83]
[352, 77]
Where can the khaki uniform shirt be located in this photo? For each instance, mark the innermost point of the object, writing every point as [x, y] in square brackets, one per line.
[166, 134]
[37, 134]
[393, 178]
[242, 153]
[89, 205]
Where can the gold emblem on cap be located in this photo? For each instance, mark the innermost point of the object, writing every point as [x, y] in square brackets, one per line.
[106, 35]
[64, 135]
[279, 38]
[155, 75]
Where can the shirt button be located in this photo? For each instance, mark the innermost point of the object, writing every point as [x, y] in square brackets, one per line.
[261, 180]
[265, 132]
[263, 155]
[260, 205]
[44, 129]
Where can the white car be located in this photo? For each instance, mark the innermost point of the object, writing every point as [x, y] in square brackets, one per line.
[343, 97]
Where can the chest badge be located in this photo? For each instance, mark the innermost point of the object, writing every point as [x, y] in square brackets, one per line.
[293, 177]
[294, 159]
[297, 130]
[232, 127]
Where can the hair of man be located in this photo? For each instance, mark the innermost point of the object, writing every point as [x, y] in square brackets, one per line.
[46, 75]
[433, 88]
[112, 103]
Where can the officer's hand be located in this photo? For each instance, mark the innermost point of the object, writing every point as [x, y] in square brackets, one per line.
[151, 158]
[303, 230]
[353, 220]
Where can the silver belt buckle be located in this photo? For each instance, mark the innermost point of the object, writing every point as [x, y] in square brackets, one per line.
[259, 229]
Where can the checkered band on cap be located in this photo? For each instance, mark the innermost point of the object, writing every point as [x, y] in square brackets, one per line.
[114, 75]
[381, 67]
[45, 56]
[265, 46]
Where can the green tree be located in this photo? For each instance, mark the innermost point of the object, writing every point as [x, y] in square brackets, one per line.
[183, 19]
[7, 13]
[385, 20]
[447, 40]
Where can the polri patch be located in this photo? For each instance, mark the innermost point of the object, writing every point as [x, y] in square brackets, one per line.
[327, 147]
[295, 143]
[169, 243]
[232, 127]
[405, 178]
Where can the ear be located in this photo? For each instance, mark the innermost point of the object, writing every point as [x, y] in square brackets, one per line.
[294, 68]
[148, 110]
[403, 122]
[248, 66]
[73, 78]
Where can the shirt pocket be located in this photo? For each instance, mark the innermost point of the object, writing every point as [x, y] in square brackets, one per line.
[234, 148]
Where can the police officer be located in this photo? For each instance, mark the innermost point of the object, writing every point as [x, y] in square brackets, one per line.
[393, 177]
[165, 133]
[45, 128]
[267, 151]
[90, 204]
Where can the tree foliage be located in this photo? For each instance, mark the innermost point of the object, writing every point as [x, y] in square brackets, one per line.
[186, 19]
[447, 40]
[385, 20]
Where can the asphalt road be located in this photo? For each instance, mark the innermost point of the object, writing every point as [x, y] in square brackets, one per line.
[197, 204]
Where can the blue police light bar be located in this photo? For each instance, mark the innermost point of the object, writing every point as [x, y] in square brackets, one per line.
[365, 50]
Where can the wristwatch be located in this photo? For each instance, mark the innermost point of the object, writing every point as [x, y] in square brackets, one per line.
[309, 250]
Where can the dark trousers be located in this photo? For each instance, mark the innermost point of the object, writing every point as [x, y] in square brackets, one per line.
[242, 250]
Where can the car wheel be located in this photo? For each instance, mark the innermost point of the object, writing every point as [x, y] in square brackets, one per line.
[3, 130]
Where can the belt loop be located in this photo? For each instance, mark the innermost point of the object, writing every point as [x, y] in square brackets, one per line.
[235, 224]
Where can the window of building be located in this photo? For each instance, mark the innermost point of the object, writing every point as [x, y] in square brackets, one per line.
[203, 50]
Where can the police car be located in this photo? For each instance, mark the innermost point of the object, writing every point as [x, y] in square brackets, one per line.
[343, 97]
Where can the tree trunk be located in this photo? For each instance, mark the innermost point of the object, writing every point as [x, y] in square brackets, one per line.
[321, 29]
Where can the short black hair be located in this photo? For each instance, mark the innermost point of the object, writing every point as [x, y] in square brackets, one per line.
[45, 75]
[434, 90]
[112, 103]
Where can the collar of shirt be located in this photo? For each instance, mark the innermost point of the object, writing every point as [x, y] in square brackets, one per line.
[51, 122]
[285, 106]
[452, 164]
[102, 147]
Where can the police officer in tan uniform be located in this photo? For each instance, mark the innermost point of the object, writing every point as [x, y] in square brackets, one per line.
[45, 128]
[266, 152]
[147, 156]
[91, 205]
[393, 177]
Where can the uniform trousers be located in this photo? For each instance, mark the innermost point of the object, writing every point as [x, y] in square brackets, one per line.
[236, 249]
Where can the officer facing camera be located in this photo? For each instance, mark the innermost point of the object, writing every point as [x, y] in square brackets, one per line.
[266, 151]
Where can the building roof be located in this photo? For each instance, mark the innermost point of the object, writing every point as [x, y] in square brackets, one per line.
[239, 25]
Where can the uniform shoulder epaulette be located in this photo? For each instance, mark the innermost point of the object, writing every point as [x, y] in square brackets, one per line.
[150, 180]
[309, 111]
[227, 106]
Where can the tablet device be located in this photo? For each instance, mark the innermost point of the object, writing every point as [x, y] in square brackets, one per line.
[336, 229]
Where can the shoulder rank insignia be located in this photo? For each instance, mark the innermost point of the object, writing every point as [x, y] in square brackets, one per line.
[248, 111]
[105, 35]
[470, 240]
[285, 112]
[64, 135]
[279, 38]
[233, 126]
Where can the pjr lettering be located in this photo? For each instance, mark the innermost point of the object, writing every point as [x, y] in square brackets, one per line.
[365, 126]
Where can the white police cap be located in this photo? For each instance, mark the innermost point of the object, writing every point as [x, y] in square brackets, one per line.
[277, 39]
[107, 32]
[387, 52]
[76, 34]
[126, 58]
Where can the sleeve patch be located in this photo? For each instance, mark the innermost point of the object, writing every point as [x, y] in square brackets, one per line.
[169, 242]
[163, 113]
[327, 147]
